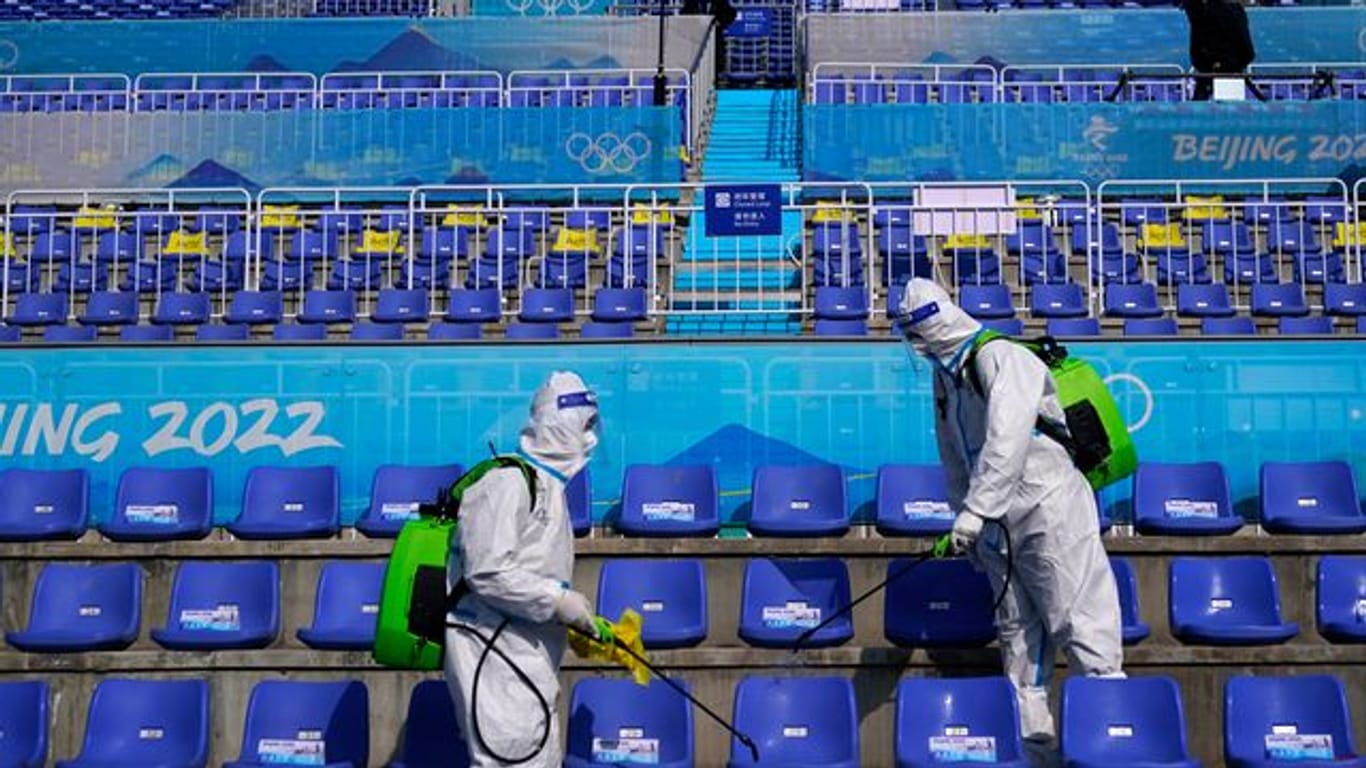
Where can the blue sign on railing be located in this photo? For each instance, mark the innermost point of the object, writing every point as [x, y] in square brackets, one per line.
[751, 23]
[734, 210]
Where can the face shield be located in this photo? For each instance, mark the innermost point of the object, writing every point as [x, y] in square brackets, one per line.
[908, 325]
[582, 406]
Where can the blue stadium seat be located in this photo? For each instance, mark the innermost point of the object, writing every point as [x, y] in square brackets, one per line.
[1226, 601]
[1183, 499]
[912, 500]
[670, 595]
[218, 606]
[121, 247]
[595, 330]
[1150, 326]
[603, 712]
[1132, 627]
[904, 254]
[614, 305]
[666, 500]
[1278, 300]
[222, 333]
[1115, 268]
[532, 331]
[395, 492]
[1228, 326]
[483, 305]
[804, 500]
[431, 735]
[376, 332]
[311, 246]
[1044, 268]
[1249, 269]
[146, 334]
[1133, 722]
[289, 503]
[399, 305]
[781, 599]
[579, 495]
[10, 334]
[283, 714]
[1292, 236]
[1287, 721]
[1132, 300]
[69, 334]
[974, 267]
[1073, 326]
[836, 303]
[1203, 301]
[1178, 266]
[1310, 497]
[453, 332]
[938, 604]
[181, 309]
[444, 244]
[564, 271]
[146, 722]
[547, 305]
[1316, 325]
[53, 246]
[1224, 237]
[110, 308]
[986, 302]
[840, 328]
[796, 721]
[43, 504]
[1057, 301]
[299, 332]
[24, 721]
[928, 709]
[79, 608]
[256, 308]
[345, 607]
[20, 276]
[161, 505]
[287, 276]
[328, 307]
[362, 272]
[1316, 268]
[1341, 609]
[39, 309]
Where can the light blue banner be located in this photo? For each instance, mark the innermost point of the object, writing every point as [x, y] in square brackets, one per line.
[1090, 142]
[731, 406]
[403, 147]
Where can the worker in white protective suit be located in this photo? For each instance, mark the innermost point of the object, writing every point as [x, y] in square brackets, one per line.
[516, 556]
[1060, 592]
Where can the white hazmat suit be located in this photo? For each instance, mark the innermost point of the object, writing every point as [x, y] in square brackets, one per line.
[516, 556]
[1061, 590]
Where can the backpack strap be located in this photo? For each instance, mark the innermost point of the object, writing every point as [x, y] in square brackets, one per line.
[451, 498]
[1050, 353]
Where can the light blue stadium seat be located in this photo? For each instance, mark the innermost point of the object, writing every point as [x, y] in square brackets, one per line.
[219, 605]
[797, 721]
[345, 607]
[928, 709]
[579, 495]
[1268, 722]
[613, 305]
[256, 308]
[475, 306]
[453, 332]
[1129, 723]
[595, 330]
[299, 332]
[144, 723]
[24, 722]
[1183, 500]
[1316, 325]
[154, 504]
[110, 308]
[938, 604]
[547, 305]
[431, 735]
[912, 500]
[40, 309]
[222, 333]
[1073, 326]
[282, 713]
[1132, 300]
[396, 491]
[181, 309]
[532, 331]
[1057, 301]
[1228, 326]
[665, 500]
[376, 332]
[806, 500]
[289, 503]
[1132, 627]
[79, 608]
[1310, 497]
[781, 599]
[1210, 300]
[328, 307]
[987, 302]
[1150, 326]
[670, 595]
[43, 504]
[1341, 607]
[400, 305]
[1278, 300]
[602, 712]
[1226, 601]
[69, 334]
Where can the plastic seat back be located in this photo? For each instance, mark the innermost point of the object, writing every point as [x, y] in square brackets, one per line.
[1132, 627]
[80, 607]
[781, 599]
[1286, 718]
[24, 723]
[154, 504]
[617, 721]
[670, 595]
[1222, 595]
[302, 720]
[938, 604]
[147, 722]
[396, 491]
[289, 502]
[1176, 498]
[222, 605]
[945, 719]
[799, 501]
[664, 500]
[1137, 721]
[43, 504]
[797, 721]
[345, 607]
[431, 735]
[1310, 497]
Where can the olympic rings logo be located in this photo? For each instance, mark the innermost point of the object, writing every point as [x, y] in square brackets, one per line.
[551, 7]
[9, 55]
[608, 153]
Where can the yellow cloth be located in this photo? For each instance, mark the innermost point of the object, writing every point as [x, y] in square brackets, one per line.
[643, 214]
[576, 241]
[1025, 209]
[187, 244]
[831, 213]
[280, 217]
[7, 246]
[974, 242]
[92, 217]
[1162, 236]
[1204, 208]
[1347, 235]
[380, 242]
[627, 631]
[464, 217]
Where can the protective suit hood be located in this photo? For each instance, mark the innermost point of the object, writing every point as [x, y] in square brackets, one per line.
[934, 326]
[561, 431]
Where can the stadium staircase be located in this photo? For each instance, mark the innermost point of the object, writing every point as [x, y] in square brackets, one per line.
[754, 139]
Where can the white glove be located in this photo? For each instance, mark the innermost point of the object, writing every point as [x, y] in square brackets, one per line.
[574, 610]
[966, 528]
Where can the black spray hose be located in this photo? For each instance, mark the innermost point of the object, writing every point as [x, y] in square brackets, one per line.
[522, 676]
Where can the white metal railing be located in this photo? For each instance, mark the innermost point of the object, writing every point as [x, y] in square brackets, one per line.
[879, 83]
[1090, 83]
[1345, 80]
[64, 93]
[223, 91]
[363, 90]
[604, 88]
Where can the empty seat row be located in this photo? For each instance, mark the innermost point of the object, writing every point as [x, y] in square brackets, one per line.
[939, 603]
[808, 721]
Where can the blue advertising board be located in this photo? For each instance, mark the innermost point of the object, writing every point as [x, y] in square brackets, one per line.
[751, 23]
[737, 210]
